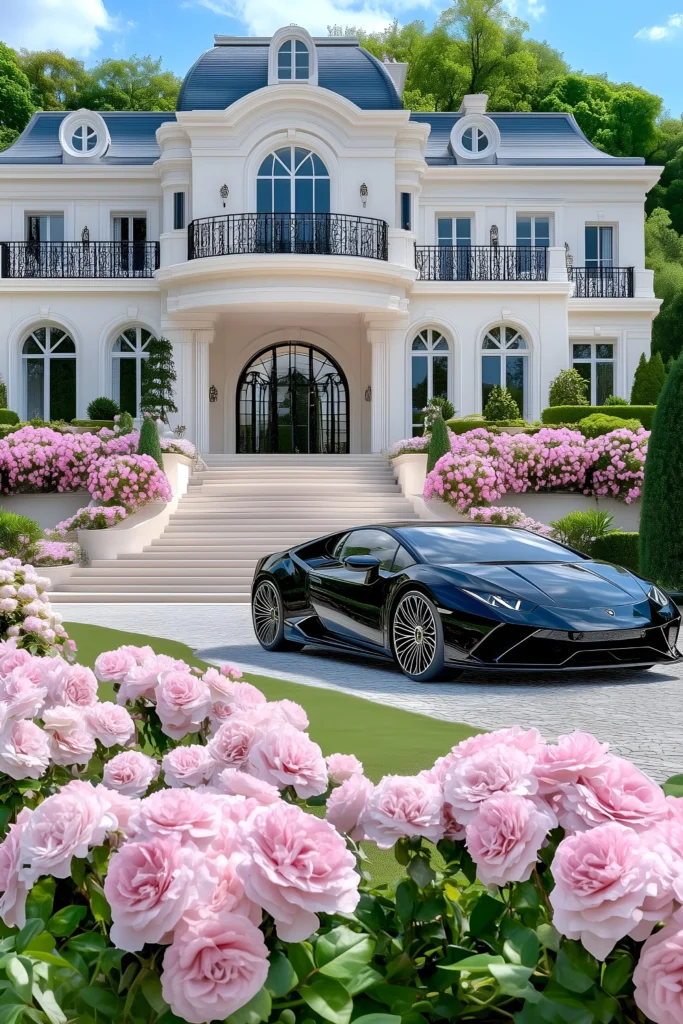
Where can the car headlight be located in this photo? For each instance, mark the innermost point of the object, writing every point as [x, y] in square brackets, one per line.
[657, 596]
[506, 601]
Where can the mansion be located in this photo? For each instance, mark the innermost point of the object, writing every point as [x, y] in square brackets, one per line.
[323, 260]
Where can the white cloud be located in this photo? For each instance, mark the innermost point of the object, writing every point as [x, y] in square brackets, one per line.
[655, 33]
[533, 9]
[263, 17]
[74, 26]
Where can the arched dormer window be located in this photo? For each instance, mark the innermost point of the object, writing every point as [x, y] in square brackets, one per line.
[83, 135]
[292, 57]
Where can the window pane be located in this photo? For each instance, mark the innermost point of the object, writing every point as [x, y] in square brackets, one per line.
[62, 389]
[303, 195]
[284, 156]
[322, 195]
[318, 165]
[402, 559]
[419, 345]
[283, 196]
[444, 227]
[440, 377]
[542, 233]
[124, 379]
[467, 140]
[591, 246]
[35, 382]
[56, 229]
[419, 383]
[606, 246]
[490, 376]
[604, 351]
[582, 351]
[515, 379]
[264, 195]
[604, 378]
[524, 231]
[586, 372]
[31, 347]
[463, 231]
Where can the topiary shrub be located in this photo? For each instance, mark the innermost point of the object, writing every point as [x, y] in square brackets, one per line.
[581, 529]
[615, 400]
[661, 518]
[501, 405]
[103, 409]
[149, 441]
[620, 548]
[125, 423]
[18, 533]
[598, 423]
[158, 378]
[573, 413]
[568, 388]
[439, 442]
[648, 380]
[8, 416]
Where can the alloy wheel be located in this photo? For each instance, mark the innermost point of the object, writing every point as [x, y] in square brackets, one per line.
[266, 613]
[414, 634]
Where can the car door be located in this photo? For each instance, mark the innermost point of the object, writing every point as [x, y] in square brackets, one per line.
[349, 603]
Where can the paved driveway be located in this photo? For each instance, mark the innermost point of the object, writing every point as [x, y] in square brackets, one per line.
[640, 715]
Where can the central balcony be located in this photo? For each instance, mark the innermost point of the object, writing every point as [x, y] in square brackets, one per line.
[78, 259]
[305, 234]
[481, 263]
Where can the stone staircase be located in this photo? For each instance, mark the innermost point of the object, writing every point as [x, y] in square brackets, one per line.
[238, 509]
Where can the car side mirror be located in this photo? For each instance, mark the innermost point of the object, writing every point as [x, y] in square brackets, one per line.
[362, 563]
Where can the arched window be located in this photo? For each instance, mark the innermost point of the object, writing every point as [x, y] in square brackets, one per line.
[505, 362]
[429, 359]
[293, 61]
[475, 140]
[84, 139]
[130, 348]
[293, 180]
[49, 371]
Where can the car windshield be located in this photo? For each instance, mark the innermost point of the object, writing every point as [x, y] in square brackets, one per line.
[456, 545]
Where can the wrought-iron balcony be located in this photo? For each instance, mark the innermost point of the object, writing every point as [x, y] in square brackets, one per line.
[602, 282]
[320, 234]
[79, 259]
[481, 263]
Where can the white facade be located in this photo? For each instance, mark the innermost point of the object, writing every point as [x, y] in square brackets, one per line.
[221, 311]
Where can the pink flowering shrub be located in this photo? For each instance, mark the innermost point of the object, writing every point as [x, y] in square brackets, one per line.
[54, 552]
[128, 480]
[503, 515]
[27, 621]
[94, 517]
[192, 880]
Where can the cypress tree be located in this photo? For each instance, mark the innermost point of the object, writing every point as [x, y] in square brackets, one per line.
[648, 380]
[149, 443]
[439, 442]
[158, 378]
[639, 380]
[661, 517]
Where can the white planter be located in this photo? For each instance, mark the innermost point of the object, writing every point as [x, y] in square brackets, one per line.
[547, 508]
[411, 472]
[56, 574]
[47, 509]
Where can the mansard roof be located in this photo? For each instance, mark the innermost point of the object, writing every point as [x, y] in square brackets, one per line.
[133, 138]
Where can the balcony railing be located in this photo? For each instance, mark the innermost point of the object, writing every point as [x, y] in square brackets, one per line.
[79, 259]
[481, 263]
[602, 282]
[320, 234]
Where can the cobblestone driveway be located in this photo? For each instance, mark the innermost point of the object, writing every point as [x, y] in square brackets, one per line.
[640, 715]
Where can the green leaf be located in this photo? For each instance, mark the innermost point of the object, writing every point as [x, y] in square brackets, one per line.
[88, 942]
[486, 912]
[31, 930]
[257, 1009]
[521, 946]
[151, 989]
[11, 1012]
[398, 997]
[674, 786]
[477, 964]
[41, 899]
[421, 873]
[102, 1000]
[617, 974]
[329, 999]
[300, 956]
[513, 979]
[525, 896]
[20, 972]
[78, 868]
[98, 901]
[66, 921]
[570, 977]
[363, 979]
[405, 903]
[50, 958]
[49, 1005]
[549, 937]
[282, 977]
[45, 943]
[339, 941]
[378, 1018]
[429, 909]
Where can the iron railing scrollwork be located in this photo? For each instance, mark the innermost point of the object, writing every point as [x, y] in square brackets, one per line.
[481, 262]
[602, 282]
[324, 234]
[79, 259]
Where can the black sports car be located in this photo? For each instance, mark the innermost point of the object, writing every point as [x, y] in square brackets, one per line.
[442, 598]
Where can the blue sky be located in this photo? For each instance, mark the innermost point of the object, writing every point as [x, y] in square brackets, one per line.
[628, 39]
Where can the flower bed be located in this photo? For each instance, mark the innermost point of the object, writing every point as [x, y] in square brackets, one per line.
[191, 878]
[506, 515]
[94, 517]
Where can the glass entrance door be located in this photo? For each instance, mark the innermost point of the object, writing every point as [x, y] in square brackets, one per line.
[292, 398]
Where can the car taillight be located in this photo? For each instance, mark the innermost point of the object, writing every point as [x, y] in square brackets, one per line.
[673, 635]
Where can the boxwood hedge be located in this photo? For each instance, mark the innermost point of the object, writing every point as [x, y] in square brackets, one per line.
[620, 548]
[573, 413]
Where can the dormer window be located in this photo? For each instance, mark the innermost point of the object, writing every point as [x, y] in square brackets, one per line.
[293, 61]
[83, 135]
[475, 140]
[84, 139]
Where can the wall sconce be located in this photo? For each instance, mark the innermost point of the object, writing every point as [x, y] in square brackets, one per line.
[225, 192]
[364, 192]
[213, 393]
[368, 394]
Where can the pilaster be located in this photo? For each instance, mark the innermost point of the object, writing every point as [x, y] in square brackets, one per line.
[191, 342]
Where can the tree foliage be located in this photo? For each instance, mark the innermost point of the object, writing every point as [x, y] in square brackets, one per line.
[439, 442]
[16, 105]
[648, 380]
[158, 378]
[568, 388]
[139, 83]
[149, 443]
[56, 80]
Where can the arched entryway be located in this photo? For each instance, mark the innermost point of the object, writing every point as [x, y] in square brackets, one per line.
[292, 398]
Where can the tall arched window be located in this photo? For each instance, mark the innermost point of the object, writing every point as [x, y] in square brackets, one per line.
[293, 180]
[130, 348]
[429, 359]
[505, 362]
[49, 371]
[293, 61]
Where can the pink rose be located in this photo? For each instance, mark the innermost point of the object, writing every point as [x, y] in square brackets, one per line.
[24, 696]
[574, 756]
[130, 773]
[228, 891]
[346, 804]
[529, 741]
[658, 977]
[113, 666]
[65, 825]
[14, 891]
[284, 756]
[149, 886]
[24, 750]
[602, 878]
[121, 806]
[403, 805]
[182, 814]
[183, 702]
[619, 792]
[76, 685]
[245, 697]
[236, 783]
[214, 966]
[187, 766]
[342, 766]
[220, 686]
[110, 724]
[287, 711]
[142, 679]
[70, 742]
[296, 866]
[230, 746]
[505, 836]
[501, 768]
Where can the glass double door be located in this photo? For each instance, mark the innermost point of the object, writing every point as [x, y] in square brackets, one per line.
[292, 398]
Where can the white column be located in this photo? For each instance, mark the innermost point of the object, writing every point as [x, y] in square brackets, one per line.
[203, 339]
[387, 338]
[191, 357]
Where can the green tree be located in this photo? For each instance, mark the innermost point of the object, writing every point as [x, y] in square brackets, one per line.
[648, 380]
[138, 83]
[568, 388]
[16, 105]
[661, 517]
[56, 80]
[439, 442]
[158, 378]
[664, 254]
[667, 329]
[149, 443]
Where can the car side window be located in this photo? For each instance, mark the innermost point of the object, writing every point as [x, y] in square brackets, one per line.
[376, 543]
[402, 559]
[339, 547]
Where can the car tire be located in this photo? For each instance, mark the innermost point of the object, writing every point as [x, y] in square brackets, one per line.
[268, 620]
[417, 638]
